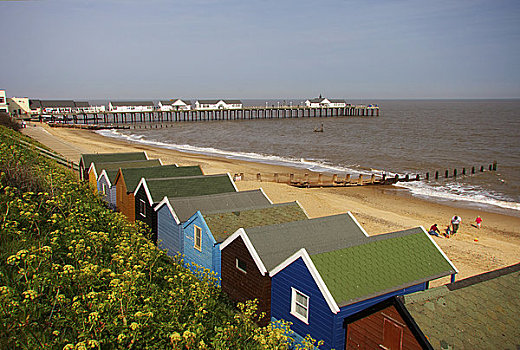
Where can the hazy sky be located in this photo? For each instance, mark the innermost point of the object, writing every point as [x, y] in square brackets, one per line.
[260, 49]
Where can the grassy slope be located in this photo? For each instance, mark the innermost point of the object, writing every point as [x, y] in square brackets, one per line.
[73, 274]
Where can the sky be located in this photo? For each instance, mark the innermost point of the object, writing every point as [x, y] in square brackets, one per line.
[359, 49]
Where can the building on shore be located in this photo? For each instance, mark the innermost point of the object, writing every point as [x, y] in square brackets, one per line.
[131, 106]
[57, 106]
[175, 105]
[18, 106]
[3, 102]
[218, 104]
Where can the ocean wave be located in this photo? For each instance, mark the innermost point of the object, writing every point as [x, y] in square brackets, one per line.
[457, 191]
[301, 163]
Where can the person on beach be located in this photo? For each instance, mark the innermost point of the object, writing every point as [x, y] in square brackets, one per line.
[434, 230]
[447, 232]
[478, 220]
[455, 222]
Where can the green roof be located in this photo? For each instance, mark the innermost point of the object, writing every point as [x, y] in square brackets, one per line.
[185, 207]
[113, 167]
[381, 264]
[480, 312]
[133, 176]
[189, 186]
[111, 157]
[224, 224]
[275, 243]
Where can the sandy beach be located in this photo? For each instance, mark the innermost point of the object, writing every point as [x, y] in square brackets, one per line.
[378, 209]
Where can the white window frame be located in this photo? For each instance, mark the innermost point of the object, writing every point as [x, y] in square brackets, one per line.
[238, 266]
[142, 208]
[294, 302]
[195, 228]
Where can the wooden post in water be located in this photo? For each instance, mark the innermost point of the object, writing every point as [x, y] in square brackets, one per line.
[334, 178]
[447, 174]
[407, 178]
[481, 168]
[417, 178]
[258, 177]
[360, 180]
[427, 176]
[454, 172]
[437, 175]
[495, 165]
[463, 171]
[347, 178]
[472, 170]
[373, 178]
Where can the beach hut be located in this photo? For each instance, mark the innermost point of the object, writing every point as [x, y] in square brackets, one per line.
[87, 159]
[247, 255]
[150, 192]
[206, 230]
[173, 212]
[96, 168]
[317, 288]
[479, 312]
[106, 180]
[127, 180]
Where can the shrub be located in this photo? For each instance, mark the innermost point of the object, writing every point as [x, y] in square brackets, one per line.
[7, 121]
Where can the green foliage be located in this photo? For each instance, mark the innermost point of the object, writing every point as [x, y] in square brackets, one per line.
[74, 275]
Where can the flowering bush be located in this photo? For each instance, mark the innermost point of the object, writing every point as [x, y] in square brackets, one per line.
[75, 275]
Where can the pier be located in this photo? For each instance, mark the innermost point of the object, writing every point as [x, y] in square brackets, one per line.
[197, 115]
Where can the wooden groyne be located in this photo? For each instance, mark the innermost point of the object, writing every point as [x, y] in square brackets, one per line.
[246, 113]
[319, 180]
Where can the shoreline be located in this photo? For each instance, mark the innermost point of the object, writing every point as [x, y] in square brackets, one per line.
[379, 209]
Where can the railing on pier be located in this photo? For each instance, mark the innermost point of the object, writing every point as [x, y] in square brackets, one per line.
[246, 113]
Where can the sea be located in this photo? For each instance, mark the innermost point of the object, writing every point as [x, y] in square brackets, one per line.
[408, 137]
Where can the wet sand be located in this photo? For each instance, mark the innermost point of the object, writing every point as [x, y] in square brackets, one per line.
[379, 209]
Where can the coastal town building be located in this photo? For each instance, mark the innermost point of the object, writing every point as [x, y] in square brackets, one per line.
[3, 102]
[18, 106]
[175, 105]
[130, 106]
[150, 192]
[218, 104]
[35, 106]
[322, 102]
[127, 180]
[57, 106]
[173, 212]
[86, 107]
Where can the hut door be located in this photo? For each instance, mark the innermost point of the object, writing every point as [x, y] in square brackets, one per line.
[392, 335]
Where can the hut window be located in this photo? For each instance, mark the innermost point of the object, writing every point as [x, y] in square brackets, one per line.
[241, 265]
[197, 239]
[300, 306]
[142, 208]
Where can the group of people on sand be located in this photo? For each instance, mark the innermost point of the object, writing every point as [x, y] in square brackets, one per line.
[452, 227]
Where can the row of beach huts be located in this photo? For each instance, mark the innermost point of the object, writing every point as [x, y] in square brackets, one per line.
[326, 275]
